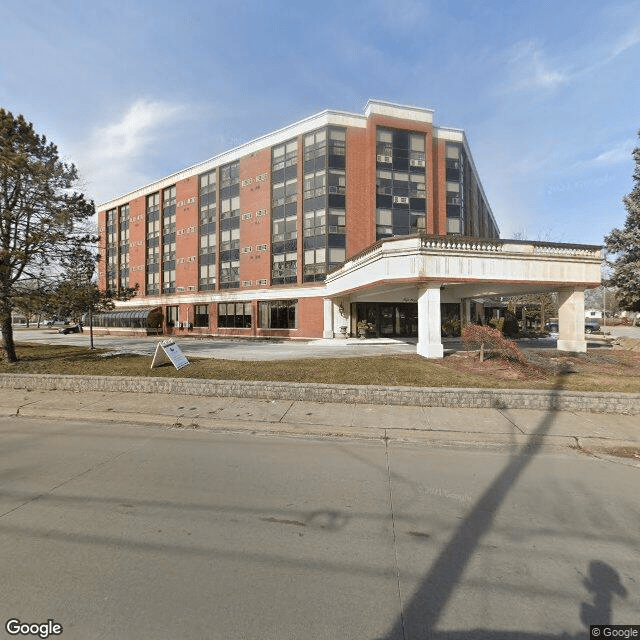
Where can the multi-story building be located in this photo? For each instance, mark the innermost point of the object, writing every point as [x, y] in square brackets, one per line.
[249, 242]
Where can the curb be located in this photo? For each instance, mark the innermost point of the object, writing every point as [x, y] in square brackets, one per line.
[554, 400]
[436, 438]
[444, 438]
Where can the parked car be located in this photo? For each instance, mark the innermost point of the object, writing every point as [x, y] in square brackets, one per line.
[590, 326]
[74, 328]
[54, 321]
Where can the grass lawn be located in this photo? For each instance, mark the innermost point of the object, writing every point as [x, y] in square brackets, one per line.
[598, 370]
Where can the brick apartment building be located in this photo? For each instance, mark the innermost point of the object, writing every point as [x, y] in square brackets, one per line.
[248, 242]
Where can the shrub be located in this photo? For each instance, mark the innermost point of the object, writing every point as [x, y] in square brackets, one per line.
[451, 327]
[490, 341]
[511, 328]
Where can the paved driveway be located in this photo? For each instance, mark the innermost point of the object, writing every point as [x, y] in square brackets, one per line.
[261, 349]
[622, 332]
[227, 348]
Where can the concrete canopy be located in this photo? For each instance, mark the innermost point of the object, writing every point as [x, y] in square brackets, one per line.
[431, 270]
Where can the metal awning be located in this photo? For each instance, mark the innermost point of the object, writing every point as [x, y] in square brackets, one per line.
[130, 314]
[126, 317]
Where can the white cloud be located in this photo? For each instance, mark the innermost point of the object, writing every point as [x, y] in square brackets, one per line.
[615, 155]
[134, 131]
[628, 40]
[109, 159]
[402, 14]
[609, 53]
[530, 70]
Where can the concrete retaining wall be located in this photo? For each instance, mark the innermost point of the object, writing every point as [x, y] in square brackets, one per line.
[359, 394]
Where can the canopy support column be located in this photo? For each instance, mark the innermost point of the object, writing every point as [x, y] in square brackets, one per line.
[430, 323]
[329, 308]
[571, 321]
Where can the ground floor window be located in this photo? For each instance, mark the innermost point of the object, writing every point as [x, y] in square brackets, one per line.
[375, 319]
[450, 318]
[201, 316]
[278, 314]
[400, 320]
[172, 316]
[234, 315]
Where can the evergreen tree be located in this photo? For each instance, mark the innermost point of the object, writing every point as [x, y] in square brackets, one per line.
[624, 244]
[40, 213]
[76, 293]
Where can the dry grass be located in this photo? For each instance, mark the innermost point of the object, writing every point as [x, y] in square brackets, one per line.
[610, 370]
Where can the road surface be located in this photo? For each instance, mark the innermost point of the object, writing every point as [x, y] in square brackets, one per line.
[132, 532]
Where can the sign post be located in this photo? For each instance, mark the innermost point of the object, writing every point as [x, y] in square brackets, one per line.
[168, 350]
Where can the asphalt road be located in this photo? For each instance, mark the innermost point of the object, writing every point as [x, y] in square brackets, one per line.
[120, 531]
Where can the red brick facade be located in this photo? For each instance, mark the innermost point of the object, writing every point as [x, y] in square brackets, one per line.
[256, 224]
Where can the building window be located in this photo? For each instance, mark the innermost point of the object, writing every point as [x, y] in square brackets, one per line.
[235, 315]
[123, 249]
[153, 206]
[278, 314]
[454, 162]
[284, 213]
[324, 203]
[153, 243]
[208, 226]
[173, 316]
[153, 279]
[112, 250]
[124, 270]
[169, 240]
[230, 226]
[201, 316]
[400, 183]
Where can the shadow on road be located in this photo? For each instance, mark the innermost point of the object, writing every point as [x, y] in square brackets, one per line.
[419, 617]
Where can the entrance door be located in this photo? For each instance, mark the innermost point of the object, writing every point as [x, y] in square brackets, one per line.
[407, 320]
[387, 320]
[397, 320]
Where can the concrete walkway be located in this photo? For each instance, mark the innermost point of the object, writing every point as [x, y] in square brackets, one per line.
[438, 425]
[272, 349]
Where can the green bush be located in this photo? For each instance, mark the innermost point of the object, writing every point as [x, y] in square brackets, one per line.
[511, 328]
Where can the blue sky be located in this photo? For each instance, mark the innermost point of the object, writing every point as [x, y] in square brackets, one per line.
[547, 92]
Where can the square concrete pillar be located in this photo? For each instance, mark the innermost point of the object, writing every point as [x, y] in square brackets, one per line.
[429, 323]
[329, 313]
[465, 311]
[571, 321]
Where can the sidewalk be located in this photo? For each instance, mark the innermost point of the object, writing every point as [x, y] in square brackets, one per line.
[474, 427]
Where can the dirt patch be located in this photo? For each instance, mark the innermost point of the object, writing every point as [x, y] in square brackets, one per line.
[628, 344]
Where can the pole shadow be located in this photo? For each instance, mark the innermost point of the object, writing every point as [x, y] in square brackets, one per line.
[419, 618]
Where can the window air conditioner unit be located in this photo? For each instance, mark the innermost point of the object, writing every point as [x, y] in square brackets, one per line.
[401, 199]
[416, 163]
[385, 159]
